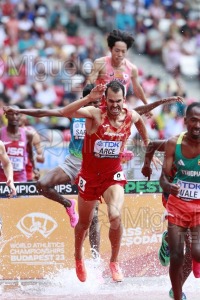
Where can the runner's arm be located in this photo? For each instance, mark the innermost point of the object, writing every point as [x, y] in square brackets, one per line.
[8, 169]
[168, 165]
[29, 136]
[153, 146]
[139, 124]
[138, 90]
[169, 156]
[98, 65]
[67, 111]
[164, 183]
[38, 147]
[144, 109]
[76, 109]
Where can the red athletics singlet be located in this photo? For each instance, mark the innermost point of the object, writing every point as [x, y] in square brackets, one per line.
[17, 154]
[102, 151]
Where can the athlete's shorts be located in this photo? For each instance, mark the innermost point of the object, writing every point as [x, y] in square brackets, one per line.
[92, 188]
[71, 167]
[183, 213]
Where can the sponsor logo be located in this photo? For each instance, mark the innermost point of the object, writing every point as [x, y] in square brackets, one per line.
[100, 143]
[109, 144]
[181, 163]
[142, 187]
[37, 222]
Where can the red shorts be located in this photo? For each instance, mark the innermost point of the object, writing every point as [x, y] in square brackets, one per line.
[164, 199]
[92, 188]
[183, 213]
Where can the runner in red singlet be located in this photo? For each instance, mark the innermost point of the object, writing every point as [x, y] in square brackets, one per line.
[107, 130]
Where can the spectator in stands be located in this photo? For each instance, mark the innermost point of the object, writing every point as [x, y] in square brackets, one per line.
[171, 53]
[156, 10]
[125, 21]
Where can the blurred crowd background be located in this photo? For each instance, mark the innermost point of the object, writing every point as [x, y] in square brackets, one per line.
[47, 49]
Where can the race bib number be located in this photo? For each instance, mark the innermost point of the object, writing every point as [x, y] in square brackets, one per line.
[189, 190]
[78, 130]
[108, 149]
[17, 163]
[82, 183]
[119, 176]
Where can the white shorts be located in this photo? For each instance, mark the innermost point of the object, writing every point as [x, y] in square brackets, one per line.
[71, 166]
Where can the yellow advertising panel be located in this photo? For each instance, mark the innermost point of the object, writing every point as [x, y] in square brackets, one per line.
[37, 238]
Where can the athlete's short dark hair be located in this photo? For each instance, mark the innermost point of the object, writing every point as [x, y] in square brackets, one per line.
[87, 89]
[115, 86]
[119, 36]
[190, 107]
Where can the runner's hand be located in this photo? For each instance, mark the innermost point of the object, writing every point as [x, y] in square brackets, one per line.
[97, 92]
[173, 99]
[12, 188]
[174, 189]
[147, 171]
[9, 109]
[36, 174]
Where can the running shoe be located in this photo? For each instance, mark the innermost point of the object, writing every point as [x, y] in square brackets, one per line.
[196, 268]
[163, 253]
[81, 270]
[171, 294]
[73, 216]
[116, 272]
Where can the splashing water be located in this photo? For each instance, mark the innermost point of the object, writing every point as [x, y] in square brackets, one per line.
[65, 285]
